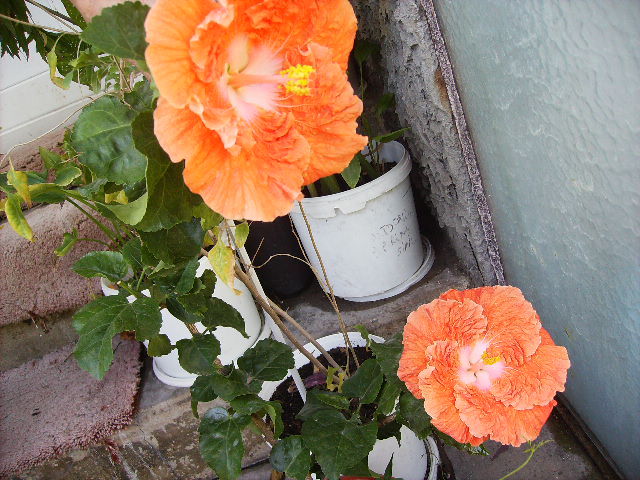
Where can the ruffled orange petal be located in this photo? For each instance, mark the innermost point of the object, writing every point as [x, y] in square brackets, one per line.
[486, 416]
[438, 320]
[537, 380]
[328, 116]
[287, 25]
[437, 388]
[260, 180]
[168, 54]
[513, 326]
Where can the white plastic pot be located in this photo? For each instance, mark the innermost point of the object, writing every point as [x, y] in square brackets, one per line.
[232, 344]
[412, 457]
[368, 237]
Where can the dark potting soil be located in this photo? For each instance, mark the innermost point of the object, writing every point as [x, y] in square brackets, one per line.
[287, 392]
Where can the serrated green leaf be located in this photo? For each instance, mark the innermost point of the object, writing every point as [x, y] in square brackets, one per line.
[291, 456]
[20, 182]
[365, 383]
[314, 404]
[142, 97]
[50, 159]
[267, 360]
[411, 413]
[177, 244]
[74, 14]
[159, 345]
[250, 404]
[235, 384]
[351, 174]
[103, 138]
[388, 355]
[109, 265]
[143, 316]
[68, 242]
[220, 314]
[198, 354]
[130, 213]
[188, 277]
[172, 201]
[137, 255]
[242, 232]
[336, 442]
[67, 174]
[47, 193]
[389, 395]
[119, 30]
[17, 220]
[222, 260]
[221, 444]
[209, 218]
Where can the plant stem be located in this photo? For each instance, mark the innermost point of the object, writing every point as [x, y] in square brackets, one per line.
[126, 287]
[334, 303]
[53, 13]
[35, 25]
[93, 240]
[533, 450]
[285, 330]
[100, 225]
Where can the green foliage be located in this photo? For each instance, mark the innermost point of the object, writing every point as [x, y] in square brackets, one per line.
[319, 400]
[100, 320]
[103, 138]
[159, 345]
[16, 37]
[198, 354]
[109, 265]
[365, 383]
[253, 404]
[220, 314]
[336, 442]
[13, 211]
[68, 242]
[267, 360]
[291, 456]
[388, 355]
[389, 395]
[351, 174]
[241, 234]
[221, 443]
[465, 447]
[119, 30]
[411, 414]
[177, 244]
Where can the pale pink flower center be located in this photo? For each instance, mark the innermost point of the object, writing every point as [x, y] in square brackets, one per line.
[477, 368]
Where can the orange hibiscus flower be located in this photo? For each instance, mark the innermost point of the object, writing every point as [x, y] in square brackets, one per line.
[483, 364]
[254, 96]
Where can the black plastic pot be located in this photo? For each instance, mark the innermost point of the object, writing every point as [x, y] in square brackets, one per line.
[281, 276]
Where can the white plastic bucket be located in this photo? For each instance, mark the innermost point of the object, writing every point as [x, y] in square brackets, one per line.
[368, 237]
[412, 457]
[232, 344]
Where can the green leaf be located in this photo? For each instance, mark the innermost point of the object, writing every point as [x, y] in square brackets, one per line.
[50, 159]
[387, 101]
[20, 182]
[364, 50]
[179, 243]
[221, 442]
[222, 261]
[250, 404]
[74, 14]
[220, 314]
[47, 193]
[351, 174]
[142, 97]
[103, 138]
[318, 400]
[119, 30]
[210, 219]
[159, 345]
[465, 447]
[411, 414]
[68, 242]
[291, 456]
[142, 315]
[336, 442]
[242, 232]
[170, 198]
[388, 355]
[137, 254]
[67, 174]
[13, 210]
[389, 395]
[52, 60]
[267, 360]
[188, 277]
[110, 265]
[198, 354]
[130, 213]
[365, 383]
[233, 385]
[202, 391]
[390, 137]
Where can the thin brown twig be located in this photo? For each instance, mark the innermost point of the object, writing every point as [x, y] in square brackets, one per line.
[334, 303]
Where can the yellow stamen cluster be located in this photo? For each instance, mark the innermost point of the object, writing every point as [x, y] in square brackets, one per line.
[490, 360]
[298, 76]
